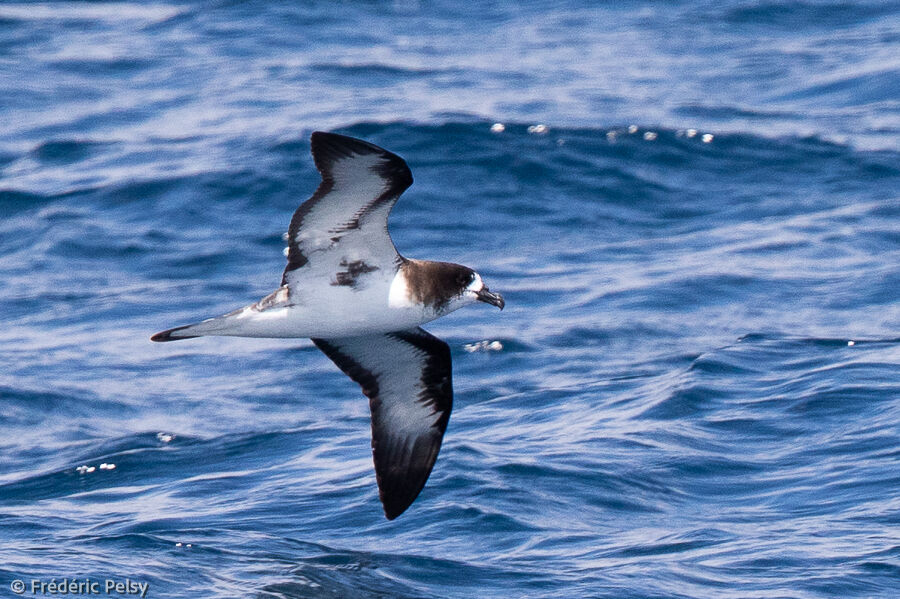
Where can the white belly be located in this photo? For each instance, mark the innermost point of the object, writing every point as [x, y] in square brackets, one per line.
[326, 321]
[326, 311]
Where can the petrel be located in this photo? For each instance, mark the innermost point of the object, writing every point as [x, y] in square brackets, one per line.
[346, 287]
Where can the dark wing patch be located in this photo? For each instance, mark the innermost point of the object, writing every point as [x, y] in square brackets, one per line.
[350, 276]
[407, 377]
[281, 297]
[358, 178]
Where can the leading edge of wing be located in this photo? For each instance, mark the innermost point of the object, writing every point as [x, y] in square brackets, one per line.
[381, 177]
[407, 377]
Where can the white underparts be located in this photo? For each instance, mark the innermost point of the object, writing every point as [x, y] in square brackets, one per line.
[398, 296]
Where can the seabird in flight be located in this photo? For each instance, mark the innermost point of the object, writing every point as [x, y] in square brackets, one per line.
[346, 287]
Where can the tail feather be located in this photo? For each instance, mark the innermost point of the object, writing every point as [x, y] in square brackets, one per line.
[171, 334]
[220, 325]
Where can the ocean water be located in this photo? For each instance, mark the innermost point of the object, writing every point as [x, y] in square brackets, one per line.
[693, 212]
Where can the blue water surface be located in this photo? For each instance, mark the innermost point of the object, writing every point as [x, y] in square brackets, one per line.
[692, 209]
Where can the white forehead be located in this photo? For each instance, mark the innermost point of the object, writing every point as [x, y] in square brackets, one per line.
[477, 284]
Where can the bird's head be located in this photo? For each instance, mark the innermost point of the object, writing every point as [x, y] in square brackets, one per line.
[442, 286]
[472, 289]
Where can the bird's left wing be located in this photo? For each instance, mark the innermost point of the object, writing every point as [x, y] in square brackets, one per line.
[344, 223]
[407, 377]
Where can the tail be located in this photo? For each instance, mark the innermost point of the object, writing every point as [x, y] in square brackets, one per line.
[210, 326]
[173, 334]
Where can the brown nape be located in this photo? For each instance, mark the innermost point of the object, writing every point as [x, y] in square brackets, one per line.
[435, 283]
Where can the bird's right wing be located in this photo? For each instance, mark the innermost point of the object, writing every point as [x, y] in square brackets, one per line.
[407, 377]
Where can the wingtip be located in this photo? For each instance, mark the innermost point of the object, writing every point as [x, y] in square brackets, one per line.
[334, 145]
[398, 492]
[393, 508]
[327, 147]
